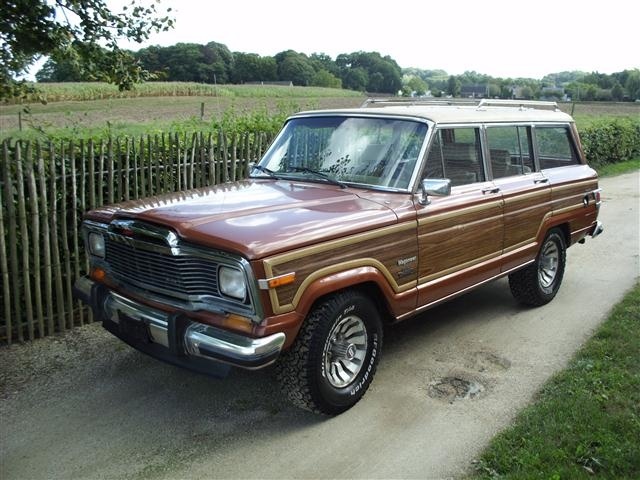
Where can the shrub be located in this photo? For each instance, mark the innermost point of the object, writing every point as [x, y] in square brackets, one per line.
[611, 141]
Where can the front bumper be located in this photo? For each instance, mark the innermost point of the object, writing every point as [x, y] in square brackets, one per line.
[175, 338]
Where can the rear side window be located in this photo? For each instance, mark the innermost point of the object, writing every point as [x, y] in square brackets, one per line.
[555, 147]
[455, 154]
[510, 150]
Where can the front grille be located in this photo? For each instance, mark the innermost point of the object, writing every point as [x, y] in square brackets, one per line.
[180, 276]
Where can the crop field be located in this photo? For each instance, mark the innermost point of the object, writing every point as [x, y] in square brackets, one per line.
[83, 110]
[91, 110]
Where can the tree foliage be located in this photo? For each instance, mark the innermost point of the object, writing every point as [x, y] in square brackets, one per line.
[188, 62]
[84, 34]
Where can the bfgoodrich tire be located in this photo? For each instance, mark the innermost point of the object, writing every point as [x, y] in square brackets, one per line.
[538, 283]
[334, 358]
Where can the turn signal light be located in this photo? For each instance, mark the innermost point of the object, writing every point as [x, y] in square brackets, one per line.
[97, 274]
[238, 322]
[281, 280]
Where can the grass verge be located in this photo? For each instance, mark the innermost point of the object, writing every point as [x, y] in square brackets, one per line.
[611, 169]
[586, 420]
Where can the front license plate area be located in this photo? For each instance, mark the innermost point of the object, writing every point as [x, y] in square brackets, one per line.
[134, 328]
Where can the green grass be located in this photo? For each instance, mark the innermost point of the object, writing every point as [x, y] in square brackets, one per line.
[611, 169]
[585, 422]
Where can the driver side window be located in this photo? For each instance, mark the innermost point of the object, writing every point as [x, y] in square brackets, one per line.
[456, 154]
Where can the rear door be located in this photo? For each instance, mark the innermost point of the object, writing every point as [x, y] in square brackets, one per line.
[460, 235]
[526, 192]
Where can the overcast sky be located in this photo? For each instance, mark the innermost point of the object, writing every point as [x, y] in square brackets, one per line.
[498, 37]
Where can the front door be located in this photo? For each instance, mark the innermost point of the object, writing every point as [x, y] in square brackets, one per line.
[459, 236]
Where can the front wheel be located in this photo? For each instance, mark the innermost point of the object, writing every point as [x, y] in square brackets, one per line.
[538, 283]
[334, 358]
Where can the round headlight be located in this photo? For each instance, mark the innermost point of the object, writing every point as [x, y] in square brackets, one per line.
[232, 284]
[96, 244]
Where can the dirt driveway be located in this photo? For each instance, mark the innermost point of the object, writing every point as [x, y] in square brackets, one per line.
[85, 405]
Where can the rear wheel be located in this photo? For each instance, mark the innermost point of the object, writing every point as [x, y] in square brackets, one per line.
[538, 283]
[333, 360]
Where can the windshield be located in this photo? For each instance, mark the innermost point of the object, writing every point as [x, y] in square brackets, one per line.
[379, 152]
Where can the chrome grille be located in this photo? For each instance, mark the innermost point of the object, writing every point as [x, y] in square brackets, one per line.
[180, 276]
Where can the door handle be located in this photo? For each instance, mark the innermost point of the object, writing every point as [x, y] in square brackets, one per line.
[491, 190]
[541, 180]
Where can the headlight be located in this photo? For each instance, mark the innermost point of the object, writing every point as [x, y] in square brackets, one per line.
[232, 282]
[96, 244]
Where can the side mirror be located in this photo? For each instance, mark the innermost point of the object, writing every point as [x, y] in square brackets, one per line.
[434, 186]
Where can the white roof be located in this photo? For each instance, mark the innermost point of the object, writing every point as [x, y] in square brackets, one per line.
[443, 114]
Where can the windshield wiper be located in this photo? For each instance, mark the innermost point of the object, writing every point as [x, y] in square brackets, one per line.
[262, 169]
[324, 176]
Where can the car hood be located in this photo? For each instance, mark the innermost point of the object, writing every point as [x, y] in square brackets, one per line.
[256, 218]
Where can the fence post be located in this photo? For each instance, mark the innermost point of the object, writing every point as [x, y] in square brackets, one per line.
[35, 233]
[46, 242]
[4, 267]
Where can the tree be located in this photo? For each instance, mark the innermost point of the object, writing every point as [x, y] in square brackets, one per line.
[74, 31]
[295, 67]
[63, 71]
[383, 74]
[323, 78]
[416, 85]
[632, 84]
[251, 67]
[617, 92]
[453, 86]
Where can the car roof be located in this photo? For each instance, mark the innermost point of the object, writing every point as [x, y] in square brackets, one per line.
[453, 114]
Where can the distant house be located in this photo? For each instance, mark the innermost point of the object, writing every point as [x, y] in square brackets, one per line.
[474, 91]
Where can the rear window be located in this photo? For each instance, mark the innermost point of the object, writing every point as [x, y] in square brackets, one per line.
[555, 147]
[510, 150]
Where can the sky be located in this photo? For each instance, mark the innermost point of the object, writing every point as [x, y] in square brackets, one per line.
[496, 37]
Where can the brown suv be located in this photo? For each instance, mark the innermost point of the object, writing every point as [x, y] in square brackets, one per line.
[352, 219]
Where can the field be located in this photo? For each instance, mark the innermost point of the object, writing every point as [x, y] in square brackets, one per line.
[170, 109]
[86, 110]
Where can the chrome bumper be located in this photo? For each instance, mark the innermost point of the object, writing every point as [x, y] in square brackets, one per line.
[174, 337]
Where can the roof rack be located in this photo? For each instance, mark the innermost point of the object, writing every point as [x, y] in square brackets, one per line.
[522, 104]
[395, 101]
[485, 102]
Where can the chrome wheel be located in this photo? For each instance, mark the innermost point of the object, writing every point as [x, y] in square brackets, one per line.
[344, 351]
[548, 264]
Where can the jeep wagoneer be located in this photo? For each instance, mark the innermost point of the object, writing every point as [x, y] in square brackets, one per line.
[352, 219]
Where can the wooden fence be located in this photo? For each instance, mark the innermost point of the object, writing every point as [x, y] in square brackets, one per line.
[45, 188]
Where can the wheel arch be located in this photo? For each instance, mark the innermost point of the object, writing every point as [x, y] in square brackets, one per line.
[367, 280]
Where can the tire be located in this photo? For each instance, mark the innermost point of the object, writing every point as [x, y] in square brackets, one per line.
[538, 283]
[323, 371]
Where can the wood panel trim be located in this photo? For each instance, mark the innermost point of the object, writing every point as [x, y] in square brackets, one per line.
[426, 218]
[269, 263]
[457, 268]
[337, 268]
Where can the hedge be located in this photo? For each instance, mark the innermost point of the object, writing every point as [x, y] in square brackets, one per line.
[611, 141]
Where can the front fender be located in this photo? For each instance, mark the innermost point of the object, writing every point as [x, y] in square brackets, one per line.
[398, 301]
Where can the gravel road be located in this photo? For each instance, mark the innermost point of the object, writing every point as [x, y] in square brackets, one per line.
[84, 405]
